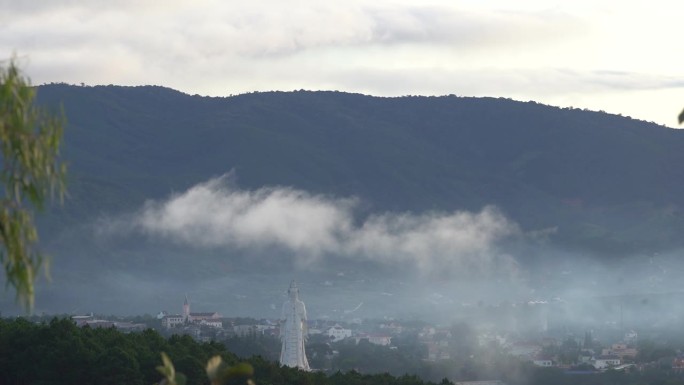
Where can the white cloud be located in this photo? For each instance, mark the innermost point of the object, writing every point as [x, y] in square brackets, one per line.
[448, 241]
[494, 48]
[215, 214]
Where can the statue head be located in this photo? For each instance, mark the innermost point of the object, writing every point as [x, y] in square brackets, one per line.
[293, 291]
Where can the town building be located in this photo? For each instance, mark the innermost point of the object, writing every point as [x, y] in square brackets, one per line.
[437, 351]
[338, 333]
[94, 323]
[543, 362]
[623, 351]
[244, 330]
[375, 339]
[603, 362]
[212, 319]
[171, 321]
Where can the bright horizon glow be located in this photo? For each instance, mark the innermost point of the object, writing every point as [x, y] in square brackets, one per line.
[620, 57]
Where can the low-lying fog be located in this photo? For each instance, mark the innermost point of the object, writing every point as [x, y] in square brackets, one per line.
[235, 251]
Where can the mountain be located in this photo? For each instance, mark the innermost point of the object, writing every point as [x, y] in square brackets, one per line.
[602, 182]
[597, 200]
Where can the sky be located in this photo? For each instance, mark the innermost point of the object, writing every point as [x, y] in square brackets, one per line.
[622, 57]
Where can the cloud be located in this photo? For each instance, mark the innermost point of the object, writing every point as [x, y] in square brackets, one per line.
[528, 51]
[140, 42]
[274, 27]
[312, 227]
[436, 240]
[214, 214]
[460, 27]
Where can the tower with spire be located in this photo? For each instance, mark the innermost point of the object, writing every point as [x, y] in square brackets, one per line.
[186, 310]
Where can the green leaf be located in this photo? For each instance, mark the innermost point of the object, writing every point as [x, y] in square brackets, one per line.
[31, 168]
[219, 373]
[240, 370]
[180, 379]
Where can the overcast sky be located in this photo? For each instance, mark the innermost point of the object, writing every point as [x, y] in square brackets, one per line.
[619, 56]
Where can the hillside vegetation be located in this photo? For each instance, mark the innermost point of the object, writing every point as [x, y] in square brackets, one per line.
[603, 182]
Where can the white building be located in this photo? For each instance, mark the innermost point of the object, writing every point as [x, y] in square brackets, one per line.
[212, 323]
[244, 330]
[171, 321]
[374, 339]
[380, 340]
[264, 328]
[544, 363]
[338, 333]
[603, 362]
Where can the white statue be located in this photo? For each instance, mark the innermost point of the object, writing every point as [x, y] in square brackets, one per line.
[293, 331]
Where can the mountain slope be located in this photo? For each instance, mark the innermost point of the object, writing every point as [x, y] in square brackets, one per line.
[606, 182]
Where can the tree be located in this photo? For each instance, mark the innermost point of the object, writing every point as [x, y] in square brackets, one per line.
[32, 172]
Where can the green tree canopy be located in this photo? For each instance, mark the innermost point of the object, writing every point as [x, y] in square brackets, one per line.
[31, 173]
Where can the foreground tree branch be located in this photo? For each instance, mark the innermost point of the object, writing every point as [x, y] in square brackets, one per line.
[31, 173]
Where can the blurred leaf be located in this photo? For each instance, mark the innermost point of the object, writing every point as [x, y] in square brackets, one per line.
[169, 372]
[167, 369]
[241, 370]
[180, 379]
[220, 373]
[681, 117]
[214, 368]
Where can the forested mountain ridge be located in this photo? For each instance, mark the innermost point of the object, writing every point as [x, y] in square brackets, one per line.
[604, 182]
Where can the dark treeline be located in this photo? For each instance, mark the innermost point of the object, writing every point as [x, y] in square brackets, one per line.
[59, 352]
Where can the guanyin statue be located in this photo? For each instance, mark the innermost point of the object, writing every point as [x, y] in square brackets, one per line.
[293, 331]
